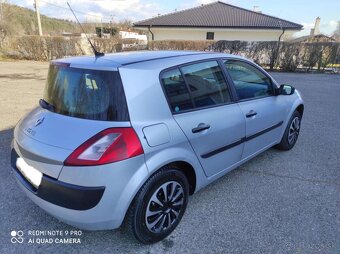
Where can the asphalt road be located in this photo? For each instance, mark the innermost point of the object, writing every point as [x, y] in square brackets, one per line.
[279, 202]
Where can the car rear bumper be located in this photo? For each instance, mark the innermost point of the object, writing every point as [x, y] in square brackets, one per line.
[59, 193]
[95, 200]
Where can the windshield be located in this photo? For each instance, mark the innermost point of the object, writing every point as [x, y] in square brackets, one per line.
[83, 93]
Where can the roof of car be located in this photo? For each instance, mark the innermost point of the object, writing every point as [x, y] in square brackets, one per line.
[116, 60]
[124, 58]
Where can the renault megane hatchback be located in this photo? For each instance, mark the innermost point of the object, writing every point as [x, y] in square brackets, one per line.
[130, 136]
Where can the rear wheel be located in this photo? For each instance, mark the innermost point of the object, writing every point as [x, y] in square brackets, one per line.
[291, 133]
[159, 205]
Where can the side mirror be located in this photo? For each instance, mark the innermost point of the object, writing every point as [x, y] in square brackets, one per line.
[285, 90]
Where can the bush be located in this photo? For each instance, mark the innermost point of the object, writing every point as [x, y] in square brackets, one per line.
[231, 47]
[179, 45]
[290, 56]
[46, 48]
[108, 45]
[286, 56]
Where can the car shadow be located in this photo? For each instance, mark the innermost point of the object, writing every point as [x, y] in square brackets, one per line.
[6, 137]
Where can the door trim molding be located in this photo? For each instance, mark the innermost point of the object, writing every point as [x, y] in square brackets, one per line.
[239, 142]
[263, 131]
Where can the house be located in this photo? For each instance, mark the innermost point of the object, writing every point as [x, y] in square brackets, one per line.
[313, 38]
[218, 21]
[133, 39]
[315, 35]
[336, 37]
[142, 38]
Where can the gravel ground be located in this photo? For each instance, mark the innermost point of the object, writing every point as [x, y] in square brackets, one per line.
[279, 202]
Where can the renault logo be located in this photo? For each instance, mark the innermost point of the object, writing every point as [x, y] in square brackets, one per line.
[39, 121]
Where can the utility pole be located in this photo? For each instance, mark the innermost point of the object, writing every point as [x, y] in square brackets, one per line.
[101, 27]
[1, 14]
[36, 5]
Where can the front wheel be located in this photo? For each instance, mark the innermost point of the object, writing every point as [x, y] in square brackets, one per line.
[159, 205]
[291, 133]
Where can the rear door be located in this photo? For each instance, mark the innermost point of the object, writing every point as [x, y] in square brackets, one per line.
[264, 112]
[201, 102]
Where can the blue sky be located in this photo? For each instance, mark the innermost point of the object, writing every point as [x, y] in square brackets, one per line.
[300, 11]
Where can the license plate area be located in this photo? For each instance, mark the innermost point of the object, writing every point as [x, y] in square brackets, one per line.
[30, 173]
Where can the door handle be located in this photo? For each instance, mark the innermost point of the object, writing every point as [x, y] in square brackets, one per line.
[251, 113]
[200, 127]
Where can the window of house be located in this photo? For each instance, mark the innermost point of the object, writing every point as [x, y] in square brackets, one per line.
[210, 35]
[249, 81]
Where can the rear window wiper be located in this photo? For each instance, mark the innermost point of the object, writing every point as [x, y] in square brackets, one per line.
[44, 104]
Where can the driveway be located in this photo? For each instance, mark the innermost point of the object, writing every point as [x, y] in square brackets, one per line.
[279, 202]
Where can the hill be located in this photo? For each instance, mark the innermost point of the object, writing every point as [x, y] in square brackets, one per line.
[19, 21]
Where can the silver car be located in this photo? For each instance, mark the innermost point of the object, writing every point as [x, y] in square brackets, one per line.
[129, 136]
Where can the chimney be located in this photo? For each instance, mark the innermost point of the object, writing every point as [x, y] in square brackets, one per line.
[257, 9]
[317, 26]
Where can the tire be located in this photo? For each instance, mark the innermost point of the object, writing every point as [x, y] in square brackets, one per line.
[141, 221]
[291, 133]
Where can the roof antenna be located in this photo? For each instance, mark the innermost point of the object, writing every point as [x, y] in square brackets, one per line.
[96, 53]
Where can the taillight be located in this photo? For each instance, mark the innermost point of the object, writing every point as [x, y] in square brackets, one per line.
[107, 146]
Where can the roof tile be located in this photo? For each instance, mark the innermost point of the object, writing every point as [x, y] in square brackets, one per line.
[219, 15]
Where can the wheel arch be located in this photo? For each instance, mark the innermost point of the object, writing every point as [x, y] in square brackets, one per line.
[300, 109]
[188, 170]
[297, 106]
[182, 158]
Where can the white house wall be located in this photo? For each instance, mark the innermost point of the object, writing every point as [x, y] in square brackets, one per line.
[219, 34]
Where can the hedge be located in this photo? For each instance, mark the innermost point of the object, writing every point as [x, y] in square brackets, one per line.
[285, 56]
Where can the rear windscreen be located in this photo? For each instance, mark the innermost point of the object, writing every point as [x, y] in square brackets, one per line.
[83, 93]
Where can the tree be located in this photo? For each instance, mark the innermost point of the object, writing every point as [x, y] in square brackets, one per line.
[312, 54]
[290, 56]
[331, 54]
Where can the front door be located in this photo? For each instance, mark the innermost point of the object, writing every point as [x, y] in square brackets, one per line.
[264, 112]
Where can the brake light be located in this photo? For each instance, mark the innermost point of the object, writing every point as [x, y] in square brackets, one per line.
[110, 145]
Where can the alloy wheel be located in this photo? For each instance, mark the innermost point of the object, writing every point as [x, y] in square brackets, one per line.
[164, 207]
[294, 129]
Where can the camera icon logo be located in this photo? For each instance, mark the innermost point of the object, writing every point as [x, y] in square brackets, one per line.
[17, 236]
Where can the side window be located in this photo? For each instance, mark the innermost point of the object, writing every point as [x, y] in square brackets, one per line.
[176, 91]
[249, 81]
[206, 83]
